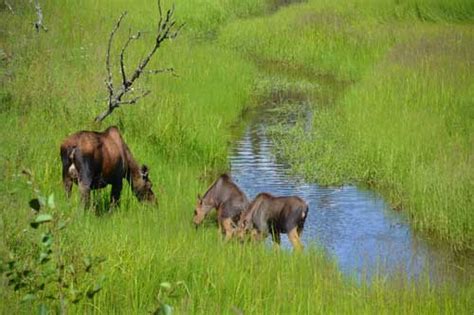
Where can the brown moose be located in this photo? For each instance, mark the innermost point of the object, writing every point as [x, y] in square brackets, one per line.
[228, 200]
[269, 214]
[95, 159]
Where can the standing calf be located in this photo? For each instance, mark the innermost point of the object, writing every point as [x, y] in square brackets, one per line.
[95, 159]
[269, 214]
[229, 201]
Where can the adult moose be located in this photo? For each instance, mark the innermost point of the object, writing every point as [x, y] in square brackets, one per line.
[95, 159]
[269, 214]
[226, 197]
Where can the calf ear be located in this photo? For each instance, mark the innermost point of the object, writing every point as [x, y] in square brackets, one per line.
[199, 197]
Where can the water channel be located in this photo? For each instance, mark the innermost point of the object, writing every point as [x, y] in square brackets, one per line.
[353, 225]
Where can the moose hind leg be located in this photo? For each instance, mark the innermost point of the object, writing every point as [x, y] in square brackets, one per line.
[85, 178]
[304, 215]
[67, 180]
[276, 237]
[295, 239]
[227, 228]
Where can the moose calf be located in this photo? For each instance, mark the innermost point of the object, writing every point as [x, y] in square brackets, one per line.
[269, 214]
[229, 201]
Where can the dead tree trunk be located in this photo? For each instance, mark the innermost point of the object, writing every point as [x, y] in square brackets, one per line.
[167, 29]
[8, 5]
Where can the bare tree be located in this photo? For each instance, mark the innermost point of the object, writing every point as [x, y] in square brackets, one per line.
[166, 29]
[8, 5]
[39, 23]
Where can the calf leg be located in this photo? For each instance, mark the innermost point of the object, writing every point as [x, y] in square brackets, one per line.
[227, 228]
[276, 237]
[257, 235]
[301, 221]
[300, 231]
[295, 239]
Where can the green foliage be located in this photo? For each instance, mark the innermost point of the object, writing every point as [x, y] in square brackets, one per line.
[51, 281]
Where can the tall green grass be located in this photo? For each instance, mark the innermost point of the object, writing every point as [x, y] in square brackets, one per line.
[404, 124]
[52, 84]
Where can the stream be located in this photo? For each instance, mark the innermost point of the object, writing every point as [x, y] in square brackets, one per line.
[353, 225]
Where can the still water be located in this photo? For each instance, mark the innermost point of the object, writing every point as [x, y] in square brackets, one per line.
[353, 225]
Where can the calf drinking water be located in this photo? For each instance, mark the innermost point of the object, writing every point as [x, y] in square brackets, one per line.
[229, 201]
[269, 214]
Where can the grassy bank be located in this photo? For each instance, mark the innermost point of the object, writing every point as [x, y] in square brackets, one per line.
[403, 122]
[52, 85]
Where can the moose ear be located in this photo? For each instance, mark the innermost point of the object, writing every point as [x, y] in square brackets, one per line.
[199, 197]
[144, 171]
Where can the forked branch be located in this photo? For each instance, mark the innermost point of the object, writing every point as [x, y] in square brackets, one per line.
[39, 13]
[9, 6]
[167, 29]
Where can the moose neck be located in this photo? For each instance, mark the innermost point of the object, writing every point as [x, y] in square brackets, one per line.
[134, 175]
[211, 196]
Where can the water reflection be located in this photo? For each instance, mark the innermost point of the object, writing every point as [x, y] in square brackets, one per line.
[352, 224]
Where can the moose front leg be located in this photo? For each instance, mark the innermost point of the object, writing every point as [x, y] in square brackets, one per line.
[85, 191]
[276, 237]
[257, 235]
[67, 183]
[115, 193]
[228, 228]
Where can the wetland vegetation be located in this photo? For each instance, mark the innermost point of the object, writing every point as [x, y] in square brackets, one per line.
[400, 121]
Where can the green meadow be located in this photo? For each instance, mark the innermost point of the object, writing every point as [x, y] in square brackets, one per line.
[400, 120]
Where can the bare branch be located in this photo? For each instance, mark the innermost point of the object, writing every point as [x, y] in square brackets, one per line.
[160, 70]
[125, 82]
[135, 99]
[175, 33]
[163, 34]
[8, 5]
[109, 110]
[109, 82]
[104, 114]
[161, 14]
[166, 30]
[39, 23]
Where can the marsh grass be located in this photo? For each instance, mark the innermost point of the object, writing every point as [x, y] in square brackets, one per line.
[403, 123]
[52, 85]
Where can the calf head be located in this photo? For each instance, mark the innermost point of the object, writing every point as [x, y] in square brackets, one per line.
[244, 226]
[203, 206]
[142, 188]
